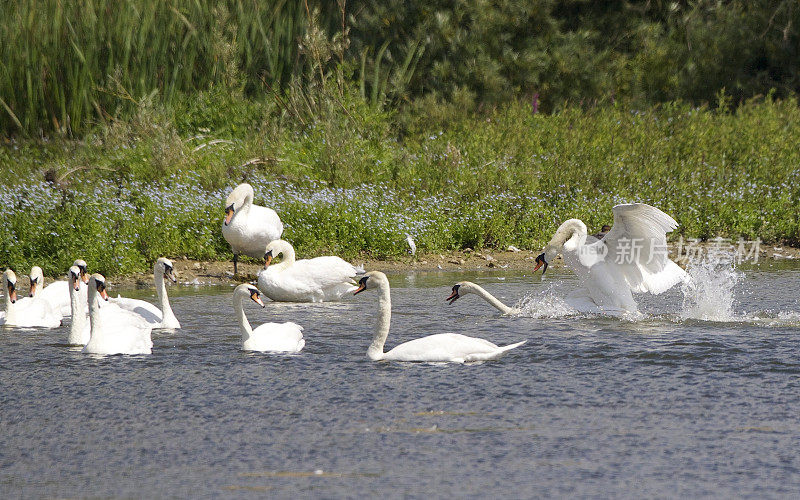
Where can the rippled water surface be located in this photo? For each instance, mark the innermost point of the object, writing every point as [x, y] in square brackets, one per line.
[668, 404]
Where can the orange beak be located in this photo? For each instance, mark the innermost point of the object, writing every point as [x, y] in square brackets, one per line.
[255, 298]
[12, 294]
[267, 260]
[228, 215]
[361, 288]
[104, 294]
[33, 289]
[84, 278]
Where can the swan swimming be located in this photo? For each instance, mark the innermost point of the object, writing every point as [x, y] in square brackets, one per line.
[321, 279]
[28, 312]
[114, 330]
[161, 316]
[58, 295]
[269, 337]
[631, 257]
[79, 329]
[466, 287]
[442, 347]
[248, 228]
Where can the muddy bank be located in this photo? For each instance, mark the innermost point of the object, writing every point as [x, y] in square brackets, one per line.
[220, 273]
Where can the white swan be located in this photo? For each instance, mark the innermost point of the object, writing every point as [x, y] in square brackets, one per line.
[57, 293]
[465, 287]
[28, 312]
[321, 279]
[114, 330]
[248, 228]
[442, 347]
[631, 257]
[160, 316]
[79, 328]
[272, 337]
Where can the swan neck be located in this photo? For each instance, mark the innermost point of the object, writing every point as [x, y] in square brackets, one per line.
[95, 324]
[78, 323]
[492, 300]
[11, 309]
[244, 325]
[167, 316]
[382, 324]
[566, 231]
[287, 256]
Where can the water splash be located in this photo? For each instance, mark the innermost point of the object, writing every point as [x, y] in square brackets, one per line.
[709, 294]
[543, 305]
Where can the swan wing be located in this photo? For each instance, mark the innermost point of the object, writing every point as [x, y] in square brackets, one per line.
[637, 248]
[57, 294]
[276, 337]
[444, 347]
[150, 312]
[321, 278]
[36, 313]
[114, 314]
[322, 272]
[250, 232]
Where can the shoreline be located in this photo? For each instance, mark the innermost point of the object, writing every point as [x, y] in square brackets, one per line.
[197, 272]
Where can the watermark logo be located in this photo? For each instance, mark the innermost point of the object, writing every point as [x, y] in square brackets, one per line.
[693, 250]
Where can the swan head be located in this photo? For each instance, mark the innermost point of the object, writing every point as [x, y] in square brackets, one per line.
[249, 290]
[98, 282]
[541, 261]
[74, 276]
[81, 264]
[164, 266]
[10, 279]
[456, 293]
[37, 279]
[274, 249]
[237, 199]
[460, 289]
[370, 280]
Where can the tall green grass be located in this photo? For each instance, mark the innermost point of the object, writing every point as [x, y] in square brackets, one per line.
[65, 66]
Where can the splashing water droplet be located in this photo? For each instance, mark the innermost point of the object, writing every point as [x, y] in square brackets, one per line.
[709, 295]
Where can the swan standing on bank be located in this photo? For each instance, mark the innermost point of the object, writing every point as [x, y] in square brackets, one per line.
[160, 316]
[272, 337]
[465, 287]
[28, 312]
[79, 328]
[114, 330]
[248, 228]
[631, 257]
[58, 294]
[442, 347]
[321, 279]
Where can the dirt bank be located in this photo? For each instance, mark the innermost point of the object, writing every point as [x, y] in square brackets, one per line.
[214, 272]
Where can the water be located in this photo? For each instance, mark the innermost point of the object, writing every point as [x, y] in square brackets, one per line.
[667, 405]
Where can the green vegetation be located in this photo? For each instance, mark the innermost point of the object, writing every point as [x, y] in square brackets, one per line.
[348, 184]
[464, 124]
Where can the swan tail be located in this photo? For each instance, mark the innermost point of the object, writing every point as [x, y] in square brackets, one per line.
[486, 356]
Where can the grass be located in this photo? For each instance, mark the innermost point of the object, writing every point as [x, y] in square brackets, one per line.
[357, 179]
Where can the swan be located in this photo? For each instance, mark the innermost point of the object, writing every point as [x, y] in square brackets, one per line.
[248, 228]
[274, 337]
[57, 293]
[631, 257]
[321, 279]
[79, 328]
[442, 347]
[464, 287]
[27, 312]
[114, 330]
[161, 316]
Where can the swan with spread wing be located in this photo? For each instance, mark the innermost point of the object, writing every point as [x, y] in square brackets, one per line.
[630, 258]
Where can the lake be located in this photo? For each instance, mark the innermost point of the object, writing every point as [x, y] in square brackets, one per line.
[698, 396]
